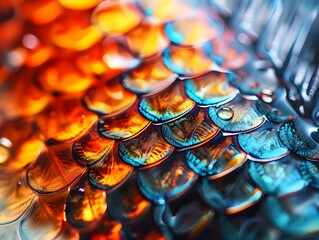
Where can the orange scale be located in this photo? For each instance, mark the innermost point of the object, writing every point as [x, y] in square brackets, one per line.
[46, 219]
[15, 157]
[85, 204]
[147, 39]
[53, 171]
[132, 205]
[15, 103]
[117, 17]
[167, 105]
[109, 173]
[62, 76]
[166, 10]
[79, 5]
[189, 62]
[10, 31]
[41, 12]
[38, 56]
[64, 121]
[151, 77]
[123, 126]
[16, 197]
[109, 98]
[91, 148]
[106, 229]
[74, 31]
[109, 58]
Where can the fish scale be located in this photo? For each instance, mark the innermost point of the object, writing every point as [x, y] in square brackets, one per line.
[156, 119]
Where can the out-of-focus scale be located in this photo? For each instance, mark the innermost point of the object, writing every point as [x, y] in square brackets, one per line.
[142, 119]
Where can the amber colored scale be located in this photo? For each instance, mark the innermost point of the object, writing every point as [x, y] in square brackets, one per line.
[144, 119]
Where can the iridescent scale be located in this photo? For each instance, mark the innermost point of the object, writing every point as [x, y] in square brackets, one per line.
[149, 119]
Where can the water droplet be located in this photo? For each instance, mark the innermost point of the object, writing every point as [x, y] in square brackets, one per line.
[225, 113]
[19, 183]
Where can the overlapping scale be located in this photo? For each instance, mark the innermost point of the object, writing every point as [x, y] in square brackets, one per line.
[85, 204]
[16, 197]
[14, 103]
[272, 113]
[263, 144]
[296, 216]
[215, 159]
[108, 98]
[194, 29]
[280, 177]
[239, 115]
[110, 172]
[299, 142]
[19, 145]
[117, 17]
[91, 148]
[166, 105]
[231, 194]
[61, 76]
[46, 218]
[108, 59]
[147, 149]
[147, 39]
[165, 10]
[190, 62]
[190, 130]
[67, 121]
[149, 78]
[53, 171]
[211, 88]
[126, 203]
[74, 32]
[167, 180]
[122, 126]
[310, 173]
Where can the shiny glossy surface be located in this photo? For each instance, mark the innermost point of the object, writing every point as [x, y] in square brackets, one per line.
[167, 180]
[149, 78]
[53, 171]
[194, 30]
[238, 115]
[85, 204]
[110, 172]
[210, 89]
[147, 39]
[278, 177]
[124, 13]
[167, 105]
[126, 203]
[122, 126]
[263, 144]
[147, 149]
[233, 196]
[16, 198]
[191, 130]
[158, 119]
[304, 147]
[187, 61]
[108, 98]
[91, 148]
[216, 158]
